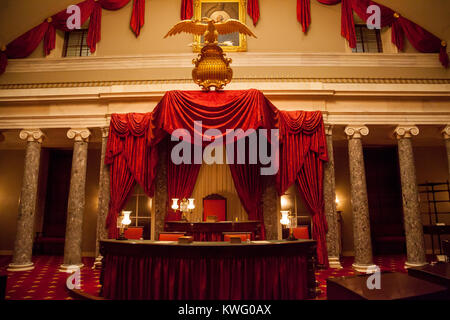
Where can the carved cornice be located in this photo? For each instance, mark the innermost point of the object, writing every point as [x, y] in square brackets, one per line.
[85, 84]
[242, 59]
[446, 132]
[356, 131]
[406, 132]
[32, 135]
[79, 134]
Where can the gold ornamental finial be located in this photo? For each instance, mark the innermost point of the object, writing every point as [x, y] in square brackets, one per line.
[212, 68]
[443, 43]
[396, 15]
[49, 20]
[3, 49]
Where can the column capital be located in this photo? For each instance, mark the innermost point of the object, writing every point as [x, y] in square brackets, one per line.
[446, 132]
[329, 129]
[79, 134]
[32, 135]
[356, 131]
[105, 132]
[406, 132]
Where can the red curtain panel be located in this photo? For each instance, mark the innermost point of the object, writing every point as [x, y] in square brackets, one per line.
[253, 10]
[304, 14]
[187, 10]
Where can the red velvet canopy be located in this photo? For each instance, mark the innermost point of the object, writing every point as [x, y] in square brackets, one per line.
[134, 139]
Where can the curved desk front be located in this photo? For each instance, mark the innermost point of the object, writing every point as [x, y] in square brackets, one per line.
[160, 270]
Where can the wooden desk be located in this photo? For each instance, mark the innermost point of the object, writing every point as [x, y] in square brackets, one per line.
[394, 286]
[166, 270]
[212, 231]
[438, 273]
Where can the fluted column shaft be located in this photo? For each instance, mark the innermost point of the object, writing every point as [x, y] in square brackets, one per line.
[415, 246]
[23, 246]
[360, 205]
[76, 203]
[103, 198]
[329, 194]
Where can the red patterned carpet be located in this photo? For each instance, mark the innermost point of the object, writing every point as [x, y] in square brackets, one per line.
[45, 282]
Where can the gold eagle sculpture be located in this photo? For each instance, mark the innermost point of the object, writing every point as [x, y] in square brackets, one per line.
[212, 68]
[210, 29]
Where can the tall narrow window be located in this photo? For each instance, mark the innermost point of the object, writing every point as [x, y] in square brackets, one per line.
[367, 40]
[75, 44]
[140, 204]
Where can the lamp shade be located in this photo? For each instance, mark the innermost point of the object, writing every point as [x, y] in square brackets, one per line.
[175, 204]
[126, 218]
[191, 205]
[284, 217]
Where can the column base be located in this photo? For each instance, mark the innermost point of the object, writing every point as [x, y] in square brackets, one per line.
[70, 268]
[14, 267]
[416, 264]
[98, 263]
[334, 263]
[363, 267]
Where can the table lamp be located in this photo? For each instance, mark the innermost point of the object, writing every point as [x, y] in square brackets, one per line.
[289, 221]
[124, 223]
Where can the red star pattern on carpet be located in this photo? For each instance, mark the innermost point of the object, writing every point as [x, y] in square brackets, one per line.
[45, 282]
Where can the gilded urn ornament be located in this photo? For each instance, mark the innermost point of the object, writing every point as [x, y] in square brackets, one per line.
[212, 68]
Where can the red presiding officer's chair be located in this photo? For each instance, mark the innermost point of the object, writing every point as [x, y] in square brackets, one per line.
[134, 233]
[170, 236]
[243, 235]
[301, 232]
[216, 206]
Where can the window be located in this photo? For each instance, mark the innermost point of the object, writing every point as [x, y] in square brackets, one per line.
[367, 40]
[139, 204]
[75, 44]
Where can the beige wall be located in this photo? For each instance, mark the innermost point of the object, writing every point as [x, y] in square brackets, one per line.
[11, 174]
[277, 31]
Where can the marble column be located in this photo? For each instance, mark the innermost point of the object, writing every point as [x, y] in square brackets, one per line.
[103, 200]
[76, 203]
[160, 197]
[329, 194]
[270, 201]
[415, 246]
[23, 246]
[360, 206]
[446, 134]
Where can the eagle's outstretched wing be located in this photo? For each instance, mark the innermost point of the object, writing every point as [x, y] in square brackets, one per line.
[187, 26]
[233, 25]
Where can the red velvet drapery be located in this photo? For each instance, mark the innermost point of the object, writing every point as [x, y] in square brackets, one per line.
[187, 9]
[304, 13]
[421, 39]
[253, 10]
[134, 138]
[24, 45]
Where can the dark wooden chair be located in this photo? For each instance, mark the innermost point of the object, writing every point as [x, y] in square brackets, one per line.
[214, 206]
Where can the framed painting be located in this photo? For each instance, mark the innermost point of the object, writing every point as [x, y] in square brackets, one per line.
[222, 11]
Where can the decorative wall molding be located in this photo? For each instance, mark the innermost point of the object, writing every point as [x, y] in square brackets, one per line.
[124, 91]
[242, 59]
